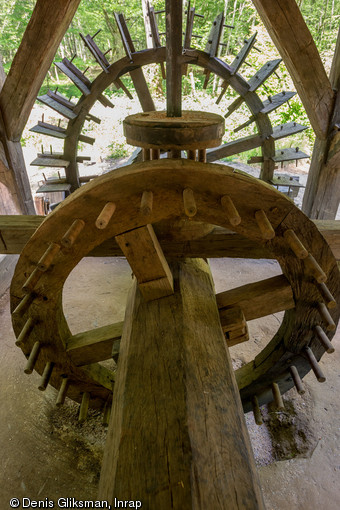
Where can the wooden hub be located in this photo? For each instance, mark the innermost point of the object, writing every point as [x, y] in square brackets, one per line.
[193, 130]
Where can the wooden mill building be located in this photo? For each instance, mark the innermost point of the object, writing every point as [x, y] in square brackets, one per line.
[173, 404]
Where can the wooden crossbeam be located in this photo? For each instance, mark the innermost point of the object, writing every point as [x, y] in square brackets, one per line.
[290, 34]
[146, 258]
[32, 62]
[94, 345]
[16, 230]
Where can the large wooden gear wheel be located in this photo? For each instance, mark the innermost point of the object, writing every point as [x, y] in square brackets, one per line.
[69, 233]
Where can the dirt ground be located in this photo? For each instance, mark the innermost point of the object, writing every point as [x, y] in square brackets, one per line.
[45, 453]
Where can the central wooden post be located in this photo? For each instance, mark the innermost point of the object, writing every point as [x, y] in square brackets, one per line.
[177, 438]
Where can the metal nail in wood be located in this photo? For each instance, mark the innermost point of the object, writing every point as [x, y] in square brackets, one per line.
[105, 216]
[314, 365]
[264, 225]
[73, 232]
[232, 213]
[32, 358]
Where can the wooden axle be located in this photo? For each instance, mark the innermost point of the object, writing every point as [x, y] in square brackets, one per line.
[264, 225]
[46, 376]
[105, 216]
[25, 332]
[295, 244]
[32, 358]
[48, 257]
[314, 365]
[321, 335]
[231, 211]
[62, 392]
[73, 232]
[326, 317]
[297, 380]
[84, 407]
[189, 203]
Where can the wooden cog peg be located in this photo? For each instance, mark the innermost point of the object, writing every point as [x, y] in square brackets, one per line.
[314, 365]
[264, 225]
[48, 257]
[321, 335]
[32, 358]
[189, 202]
[232, 213]
[62, 392]
[84, 407]
[146, 203]
[105, 216]
[297, 380]
[256, 411]
[277, 397]
[326, 317]
[295, 244]
[32, 281]
[25, 332]
[313, 269]
[46, 376]
[73, 232]
[327, 296]
[23, 305]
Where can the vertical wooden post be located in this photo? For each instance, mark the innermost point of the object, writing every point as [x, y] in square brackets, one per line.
[177, 438]
[174, 38]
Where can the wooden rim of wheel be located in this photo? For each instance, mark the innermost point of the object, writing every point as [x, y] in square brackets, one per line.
[70, 232]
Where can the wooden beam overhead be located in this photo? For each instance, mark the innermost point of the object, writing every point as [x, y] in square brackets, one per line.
[16, 230]
[174, 14]
[295, 43]
[32, 61]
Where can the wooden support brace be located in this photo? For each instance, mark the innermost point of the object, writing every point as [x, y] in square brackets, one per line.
[146, 258]
[264, 225]
[321, 335]
[314, 365]
[297, 380]
[105, 216]
[46, 376]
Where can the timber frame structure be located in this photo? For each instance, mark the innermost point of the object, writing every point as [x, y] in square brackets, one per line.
[164, 212]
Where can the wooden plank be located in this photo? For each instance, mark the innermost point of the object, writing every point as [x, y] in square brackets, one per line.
[64, 68]
[174, 51]
[215, 35]
[290, 34]
[54, 187]
[57, 106]
[50, 162]
[149, 419]
[289, 129]
[289, 154]
[243, 54]
[146, 258]
[258, 299]
[49, 131]
[32, 61]
[94, 345]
